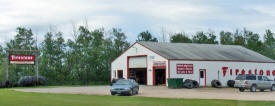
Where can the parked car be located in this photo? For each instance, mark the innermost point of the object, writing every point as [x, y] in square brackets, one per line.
[123, 86]
[254, 82]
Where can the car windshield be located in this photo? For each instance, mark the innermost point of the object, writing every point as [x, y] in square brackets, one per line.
[246, 77]
[240, 77]
[123, 82]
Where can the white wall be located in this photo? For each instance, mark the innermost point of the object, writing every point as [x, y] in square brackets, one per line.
[212, 68]
[121, 62]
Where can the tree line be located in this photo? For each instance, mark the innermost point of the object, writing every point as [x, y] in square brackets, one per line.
[85, 58]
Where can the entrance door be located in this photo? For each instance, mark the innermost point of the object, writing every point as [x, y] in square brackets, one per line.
[159, 77]
[202, 79]
[139, 75]
[119, 74]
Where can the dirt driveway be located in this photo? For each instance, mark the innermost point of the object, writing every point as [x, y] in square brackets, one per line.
[164, 92]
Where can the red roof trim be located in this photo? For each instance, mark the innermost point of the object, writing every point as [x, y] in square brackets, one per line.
[124, 51]
[218, 60]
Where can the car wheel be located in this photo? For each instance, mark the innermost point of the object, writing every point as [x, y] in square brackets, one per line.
[272, 88]
[253, 88]
[262, 90]
[136, 91]
[241, 89]
[112, 93]
[131, 92]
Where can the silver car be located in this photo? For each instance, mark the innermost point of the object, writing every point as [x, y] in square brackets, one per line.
[123, 86]
[254, 82]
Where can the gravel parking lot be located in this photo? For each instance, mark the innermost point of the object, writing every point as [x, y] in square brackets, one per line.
[164, 92]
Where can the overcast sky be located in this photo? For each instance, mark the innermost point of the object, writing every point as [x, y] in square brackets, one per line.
[134, 16]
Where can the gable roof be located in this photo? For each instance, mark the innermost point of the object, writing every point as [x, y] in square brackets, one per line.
[192, 51]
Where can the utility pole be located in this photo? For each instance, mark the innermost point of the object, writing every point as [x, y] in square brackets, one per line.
[36, 66]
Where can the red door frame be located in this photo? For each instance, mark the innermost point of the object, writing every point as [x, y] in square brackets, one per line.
[146, 66]
[204, 76]
[119, 71]
[154, 74]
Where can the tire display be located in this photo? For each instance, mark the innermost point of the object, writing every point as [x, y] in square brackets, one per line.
[195, 84]
[216, 84]
[190, 84]
[6, 84]
[32, 81]
[230, 83]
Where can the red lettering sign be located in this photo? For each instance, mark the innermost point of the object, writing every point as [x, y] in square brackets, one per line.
[261, 72]
[231, 72]
[273, 72]
[22, 59]
[255, 71]
[243, 72]
[224, 69]
[184, 68]
[249, 72]
[237, 71]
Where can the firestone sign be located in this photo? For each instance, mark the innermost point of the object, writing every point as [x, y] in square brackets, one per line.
[226, 70]
[21, 59]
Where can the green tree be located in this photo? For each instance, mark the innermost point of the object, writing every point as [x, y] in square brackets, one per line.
[269, 44]
[120, 43]
[180, 38]
[212, 38]
[146, 36]
[23, 39]
[253, 42]
[206, 38]
[51, 66]
[226, 38]
[239, 38]
[2, 63]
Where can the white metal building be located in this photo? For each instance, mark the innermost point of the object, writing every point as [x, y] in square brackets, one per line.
[153, 63]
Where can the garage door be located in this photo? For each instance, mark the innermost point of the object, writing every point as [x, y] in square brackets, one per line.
[137, 62]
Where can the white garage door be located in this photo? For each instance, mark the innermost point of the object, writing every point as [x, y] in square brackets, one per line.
[137, 62]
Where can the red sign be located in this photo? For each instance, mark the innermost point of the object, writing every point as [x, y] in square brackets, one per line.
[184, 68]
[22, 59]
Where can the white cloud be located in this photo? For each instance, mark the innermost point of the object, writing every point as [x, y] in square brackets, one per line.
[135, 15]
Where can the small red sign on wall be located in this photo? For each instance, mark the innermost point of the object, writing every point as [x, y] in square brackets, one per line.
[184, 68]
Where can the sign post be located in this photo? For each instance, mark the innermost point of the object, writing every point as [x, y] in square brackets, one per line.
[22, 59]
[7, 67]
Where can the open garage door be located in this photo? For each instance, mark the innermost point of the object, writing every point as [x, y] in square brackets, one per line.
[138, 69]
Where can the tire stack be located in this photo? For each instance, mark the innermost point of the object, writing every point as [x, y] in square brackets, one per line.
[230, 83]
[189, 84]
[216, 84]
[31, 81]
[6, 84]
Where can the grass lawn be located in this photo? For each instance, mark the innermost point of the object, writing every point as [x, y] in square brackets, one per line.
[14, 98]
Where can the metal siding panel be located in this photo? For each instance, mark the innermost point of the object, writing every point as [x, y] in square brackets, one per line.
[212, 69]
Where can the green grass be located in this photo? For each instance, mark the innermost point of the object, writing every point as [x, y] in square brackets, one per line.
[14, 98]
